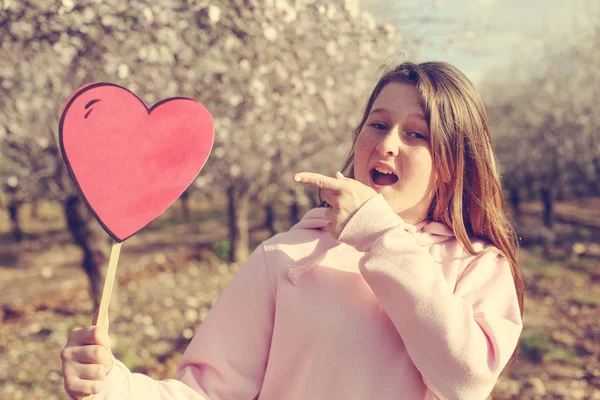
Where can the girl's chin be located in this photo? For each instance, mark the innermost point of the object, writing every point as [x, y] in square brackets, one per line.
[394, 199]
[390, 189]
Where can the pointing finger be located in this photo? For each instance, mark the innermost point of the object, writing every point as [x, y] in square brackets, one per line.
[318, 180]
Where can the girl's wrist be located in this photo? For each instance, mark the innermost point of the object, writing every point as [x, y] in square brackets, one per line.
[368, 223]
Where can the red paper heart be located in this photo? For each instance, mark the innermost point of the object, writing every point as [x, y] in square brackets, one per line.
[128, 161]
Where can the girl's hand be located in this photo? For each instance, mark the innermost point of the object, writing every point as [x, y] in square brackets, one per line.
[344, 195]
[86, 359]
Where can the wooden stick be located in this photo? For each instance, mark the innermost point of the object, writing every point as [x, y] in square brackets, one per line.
[107, 291]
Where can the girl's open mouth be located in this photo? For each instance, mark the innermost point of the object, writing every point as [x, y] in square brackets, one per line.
[382, 177]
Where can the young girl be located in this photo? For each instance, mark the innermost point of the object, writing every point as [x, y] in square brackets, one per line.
[405, 287]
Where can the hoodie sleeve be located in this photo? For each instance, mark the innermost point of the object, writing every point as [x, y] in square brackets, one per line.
[460, 338]
[226, 358]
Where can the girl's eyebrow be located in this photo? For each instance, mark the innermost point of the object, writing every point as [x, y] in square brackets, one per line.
[379, 110]
[382, 110]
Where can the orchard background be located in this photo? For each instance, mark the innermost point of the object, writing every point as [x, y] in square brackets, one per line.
[286, 82]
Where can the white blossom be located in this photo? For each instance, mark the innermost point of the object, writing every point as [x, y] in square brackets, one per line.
[235, 99]
[331, 48]
[270, 33]
[219, 152]
[148, 15]
[245, 65]
[353, 7]
[67, 5]
[214, 14]
[12, 181]
[257, 85]
[235, 170]
[123, 71]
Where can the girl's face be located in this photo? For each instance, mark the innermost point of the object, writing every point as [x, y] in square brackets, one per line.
[393, 154]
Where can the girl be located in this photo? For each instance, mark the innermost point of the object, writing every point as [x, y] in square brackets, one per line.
[405, 287]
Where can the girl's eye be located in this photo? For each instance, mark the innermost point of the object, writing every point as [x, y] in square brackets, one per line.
[417, 135]
[379, 126]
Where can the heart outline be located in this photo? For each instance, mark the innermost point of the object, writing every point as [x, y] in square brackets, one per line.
[84, 89]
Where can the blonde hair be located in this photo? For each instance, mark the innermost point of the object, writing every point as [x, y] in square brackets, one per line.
[468, 195]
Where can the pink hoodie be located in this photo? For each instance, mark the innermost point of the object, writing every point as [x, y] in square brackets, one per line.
[390, 311]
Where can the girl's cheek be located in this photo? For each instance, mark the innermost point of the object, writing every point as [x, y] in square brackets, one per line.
[362, 146]
[360, 142]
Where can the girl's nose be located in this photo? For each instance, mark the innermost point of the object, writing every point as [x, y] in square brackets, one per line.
[389, 144]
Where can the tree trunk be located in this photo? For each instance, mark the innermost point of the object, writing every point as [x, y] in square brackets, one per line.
[547, 197]
[314, 200]
[515, 201]
[238, 210]
[184, 201]
[594, 183]
[270, 219]
[34, 210]
[531, 191]
[295, 211]
[92, 240]
[15, 226]
[560, 193]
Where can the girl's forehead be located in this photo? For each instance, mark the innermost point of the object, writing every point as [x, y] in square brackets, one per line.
[399, 96]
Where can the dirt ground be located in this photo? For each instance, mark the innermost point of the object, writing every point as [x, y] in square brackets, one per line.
[169, 278]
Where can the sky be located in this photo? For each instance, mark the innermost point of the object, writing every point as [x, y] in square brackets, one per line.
[486, 35]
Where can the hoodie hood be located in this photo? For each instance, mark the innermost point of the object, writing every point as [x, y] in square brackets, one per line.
[425, 232]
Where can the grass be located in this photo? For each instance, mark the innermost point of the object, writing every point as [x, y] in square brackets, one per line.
[583, 264]
[563, 356]
[130, 359]
[544, 269]
[584, 301]
[538, 347]
[71, 325]
[222, 249]
[173, 218]
[35, 388]
[556, 269]
[538, 250]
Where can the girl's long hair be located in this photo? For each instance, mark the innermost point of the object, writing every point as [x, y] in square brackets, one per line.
[468, 196]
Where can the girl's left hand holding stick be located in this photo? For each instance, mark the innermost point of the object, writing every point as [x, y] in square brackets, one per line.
[344, 195]
[86, 359]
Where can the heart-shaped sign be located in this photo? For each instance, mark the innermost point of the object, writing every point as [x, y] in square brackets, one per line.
[130, 162]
